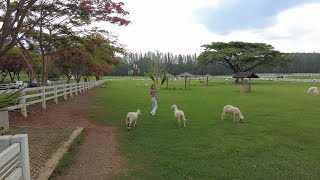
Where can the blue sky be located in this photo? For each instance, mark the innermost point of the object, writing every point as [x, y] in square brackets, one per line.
[182, 26]
[245, 14]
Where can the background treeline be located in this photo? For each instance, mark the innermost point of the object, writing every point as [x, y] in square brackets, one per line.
[176, 64]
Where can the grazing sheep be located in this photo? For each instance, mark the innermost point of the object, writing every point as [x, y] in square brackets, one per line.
[232, 110]
[311, 89]
[178, 115]
[316, 92]
[145, 85]
[132, 116]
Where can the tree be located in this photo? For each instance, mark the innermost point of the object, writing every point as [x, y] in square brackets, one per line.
[46, 23]
[157, 68]
[12, 63]
[72, 62]
[13, 15]
[241, 56]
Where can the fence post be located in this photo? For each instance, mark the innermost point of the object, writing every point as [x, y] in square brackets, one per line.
[71, 90]
[76, 89]
[43, 97]
[65, 97]
[23, 103]
[24, 154]
[55, 95]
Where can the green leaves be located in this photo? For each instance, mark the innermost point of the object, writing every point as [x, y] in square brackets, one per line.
[240, 56]
[9, 99]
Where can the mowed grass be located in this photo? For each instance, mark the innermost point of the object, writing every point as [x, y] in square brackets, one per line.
[280, 138]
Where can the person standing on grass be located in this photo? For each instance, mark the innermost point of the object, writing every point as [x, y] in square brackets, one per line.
[153, 92]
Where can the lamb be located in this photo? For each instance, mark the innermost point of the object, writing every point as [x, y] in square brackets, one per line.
[311, 89]
[232, 110]
[132, 116]
[178, 115]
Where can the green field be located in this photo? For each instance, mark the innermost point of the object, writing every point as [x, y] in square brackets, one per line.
[280, 138]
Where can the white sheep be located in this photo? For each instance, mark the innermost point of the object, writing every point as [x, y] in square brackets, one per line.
[232, 110]
[145, 85]
[311, 89]
[178, 115]
[316, 92]
[132, 116]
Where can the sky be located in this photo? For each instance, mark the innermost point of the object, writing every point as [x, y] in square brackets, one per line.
[182, 26]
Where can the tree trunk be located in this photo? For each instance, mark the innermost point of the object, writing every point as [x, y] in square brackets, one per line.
[207, 80]
[3, 77]
[97, 78]
[11, 77]
[85, 78]
[44, 62]
[185, 82]
[236, 81]
[29, 62]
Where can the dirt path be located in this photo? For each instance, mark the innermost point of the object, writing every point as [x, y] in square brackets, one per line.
[98, 155]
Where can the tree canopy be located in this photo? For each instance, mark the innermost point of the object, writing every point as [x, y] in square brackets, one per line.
[241, 56]
[50, 27]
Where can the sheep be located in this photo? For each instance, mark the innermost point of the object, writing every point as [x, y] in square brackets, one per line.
[316, 92]
[178, 115]
[132, 116]
[232, 110]
[311, 89]
[145, 85]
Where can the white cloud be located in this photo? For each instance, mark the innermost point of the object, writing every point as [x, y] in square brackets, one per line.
[170, 26]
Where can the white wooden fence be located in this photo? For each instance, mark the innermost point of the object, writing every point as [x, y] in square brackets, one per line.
[4, 86]
[14, 157]
[287, 80]
[43, 94]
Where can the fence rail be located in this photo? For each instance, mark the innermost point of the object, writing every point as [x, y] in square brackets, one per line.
[42, 94]
[288, 80]
[14, 157]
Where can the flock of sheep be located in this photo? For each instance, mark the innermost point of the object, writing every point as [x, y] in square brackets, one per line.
[179, 115]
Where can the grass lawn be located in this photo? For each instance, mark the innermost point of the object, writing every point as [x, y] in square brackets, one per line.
[280, 138]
